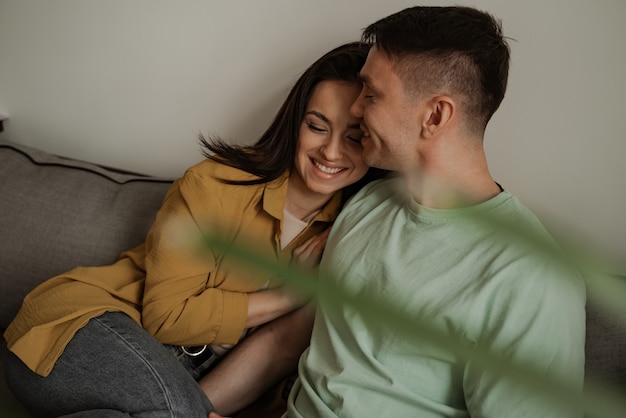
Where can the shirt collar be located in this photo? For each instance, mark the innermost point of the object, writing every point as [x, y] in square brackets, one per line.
[275, 194]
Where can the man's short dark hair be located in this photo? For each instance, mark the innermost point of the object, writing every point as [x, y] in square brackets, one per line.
[454, 50]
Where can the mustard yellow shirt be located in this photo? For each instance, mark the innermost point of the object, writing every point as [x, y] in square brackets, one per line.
[180, 291]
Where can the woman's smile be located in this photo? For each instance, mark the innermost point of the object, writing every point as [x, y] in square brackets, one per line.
[325, 169]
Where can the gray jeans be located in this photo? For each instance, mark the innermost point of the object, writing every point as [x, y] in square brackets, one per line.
[114, 368]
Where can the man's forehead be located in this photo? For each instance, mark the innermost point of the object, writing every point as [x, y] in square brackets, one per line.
[378, 65]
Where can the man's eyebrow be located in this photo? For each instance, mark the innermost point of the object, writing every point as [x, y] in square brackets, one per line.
[318, 114]
[369, 83]
[365, 79]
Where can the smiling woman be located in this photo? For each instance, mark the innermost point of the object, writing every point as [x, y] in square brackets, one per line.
[328, 156]
[162, 315]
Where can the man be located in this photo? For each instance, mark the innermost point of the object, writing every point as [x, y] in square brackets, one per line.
[431, 244]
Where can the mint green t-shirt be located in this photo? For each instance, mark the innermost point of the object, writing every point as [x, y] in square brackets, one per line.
[457, 270]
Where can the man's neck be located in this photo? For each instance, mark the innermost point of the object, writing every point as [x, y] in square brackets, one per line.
[452, 191]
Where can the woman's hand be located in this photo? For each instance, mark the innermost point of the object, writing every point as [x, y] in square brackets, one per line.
[266, 305]
[308, 254]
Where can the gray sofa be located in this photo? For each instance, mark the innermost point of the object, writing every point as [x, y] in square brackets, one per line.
[57, 213]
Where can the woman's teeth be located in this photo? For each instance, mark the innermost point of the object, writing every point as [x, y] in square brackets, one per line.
[325, 169]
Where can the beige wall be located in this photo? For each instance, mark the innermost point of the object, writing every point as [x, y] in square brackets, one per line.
[131, 83]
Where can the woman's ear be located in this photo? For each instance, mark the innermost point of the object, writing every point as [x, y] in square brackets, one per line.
[439, 113]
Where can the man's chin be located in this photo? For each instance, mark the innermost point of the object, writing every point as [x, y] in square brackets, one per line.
[376, 161]
[369, 156]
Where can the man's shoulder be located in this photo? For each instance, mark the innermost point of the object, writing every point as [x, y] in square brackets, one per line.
[528, 256]
[512, 218]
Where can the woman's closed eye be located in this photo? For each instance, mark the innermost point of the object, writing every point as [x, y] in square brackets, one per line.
[315, 128]
[355, 137]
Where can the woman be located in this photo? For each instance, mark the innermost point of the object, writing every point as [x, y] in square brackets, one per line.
[83, 344]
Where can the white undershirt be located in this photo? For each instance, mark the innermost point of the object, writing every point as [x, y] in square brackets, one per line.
[292, 226]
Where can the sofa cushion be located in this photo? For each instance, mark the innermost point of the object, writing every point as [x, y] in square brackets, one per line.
[605, 347]
[57, 213]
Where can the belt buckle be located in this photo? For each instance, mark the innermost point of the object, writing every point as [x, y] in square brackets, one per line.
[189, 350]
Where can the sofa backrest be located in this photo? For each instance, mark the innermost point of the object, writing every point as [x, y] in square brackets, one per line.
[57, 213]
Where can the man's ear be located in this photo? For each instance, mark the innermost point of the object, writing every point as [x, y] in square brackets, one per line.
[440, 110]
